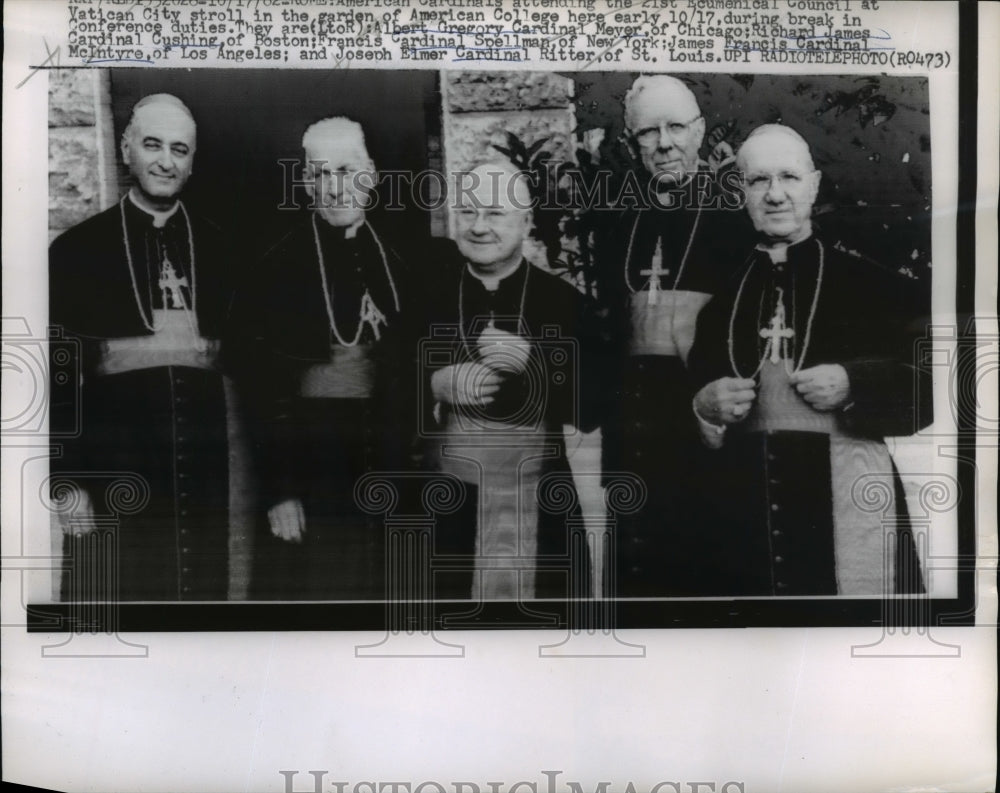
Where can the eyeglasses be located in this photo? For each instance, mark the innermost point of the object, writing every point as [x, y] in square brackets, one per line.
[320, 169]
[651, 136]
[345, 178]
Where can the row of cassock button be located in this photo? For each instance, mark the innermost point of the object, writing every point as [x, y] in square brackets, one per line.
[777, 535]
[182, 460]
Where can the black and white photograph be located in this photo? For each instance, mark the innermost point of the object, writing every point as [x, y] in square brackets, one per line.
[499, 395]
[493, 337]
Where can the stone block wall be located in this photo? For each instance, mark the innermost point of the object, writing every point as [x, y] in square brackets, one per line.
[479, 108]
[82, 177]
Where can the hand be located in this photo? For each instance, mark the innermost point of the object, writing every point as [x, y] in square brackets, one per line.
[288, 520]
[726, 400]
[720, 155]
[465, 384]
[503, 351]
[79, 519]
[824, 387]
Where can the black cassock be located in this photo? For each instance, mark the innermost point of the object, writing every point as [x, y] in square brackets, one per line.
[160, 447]
[326, 408]
[659, 266]
[787, 500]
[512, 536]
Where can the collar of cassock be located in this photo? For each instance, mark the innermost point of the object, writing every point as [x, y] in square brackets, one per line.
[335, 234]
[491, 283]
[159, 219]
[781, 253]
[657, 189]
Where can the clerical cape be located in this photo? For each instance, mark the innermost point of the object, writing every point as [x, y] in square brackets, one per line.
[659, 265]
[512, 537]
[325, 401]
[160, 446]
[781, 504]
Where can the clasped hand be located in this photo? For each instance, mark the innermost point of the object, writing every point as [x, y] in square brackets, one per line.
[824, 387]
[726, 400]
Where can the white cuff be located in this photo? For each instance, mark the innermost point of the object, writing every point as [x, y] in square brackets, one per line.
[712, 435]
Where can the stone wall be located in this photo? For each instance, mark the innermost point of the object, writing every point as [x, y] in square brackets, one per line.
[479, 108]
[82, 177]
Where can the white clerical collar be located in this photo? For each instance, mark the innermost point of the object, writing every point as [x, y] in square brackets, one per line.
[159, 218]
[492, 281]
[688, 176]
[350, 232]
[779, 251]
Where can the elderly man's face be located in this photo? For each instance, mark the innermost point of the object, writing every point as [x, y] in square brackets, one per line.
[342, 180]
[159, 151]
[667, 129]
[492, 218]
[781, 186]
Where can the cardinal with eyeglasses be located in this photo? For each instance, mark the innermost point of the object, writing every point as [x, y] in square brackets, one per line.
[160, 464]
[316, 324]
[805, 364]
[673, 242]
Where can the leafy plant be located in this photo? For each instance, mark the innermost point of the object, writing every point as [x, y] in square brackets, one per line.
[565, 229]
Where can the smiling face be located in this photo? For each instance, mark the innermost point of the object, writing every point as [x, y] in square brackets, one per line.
[342, 178]
[158, 148]
[492, 218]
[667, 130]
[781, 184]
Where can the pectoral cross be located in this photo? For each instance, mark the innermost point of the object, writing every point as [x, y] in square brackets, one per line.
[654, 272]
[776, 332]
[171, 285]
[371, 314]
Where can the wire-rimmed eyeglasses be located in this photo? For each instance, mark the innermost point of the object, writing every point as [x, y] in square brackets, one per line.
[651, 136]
